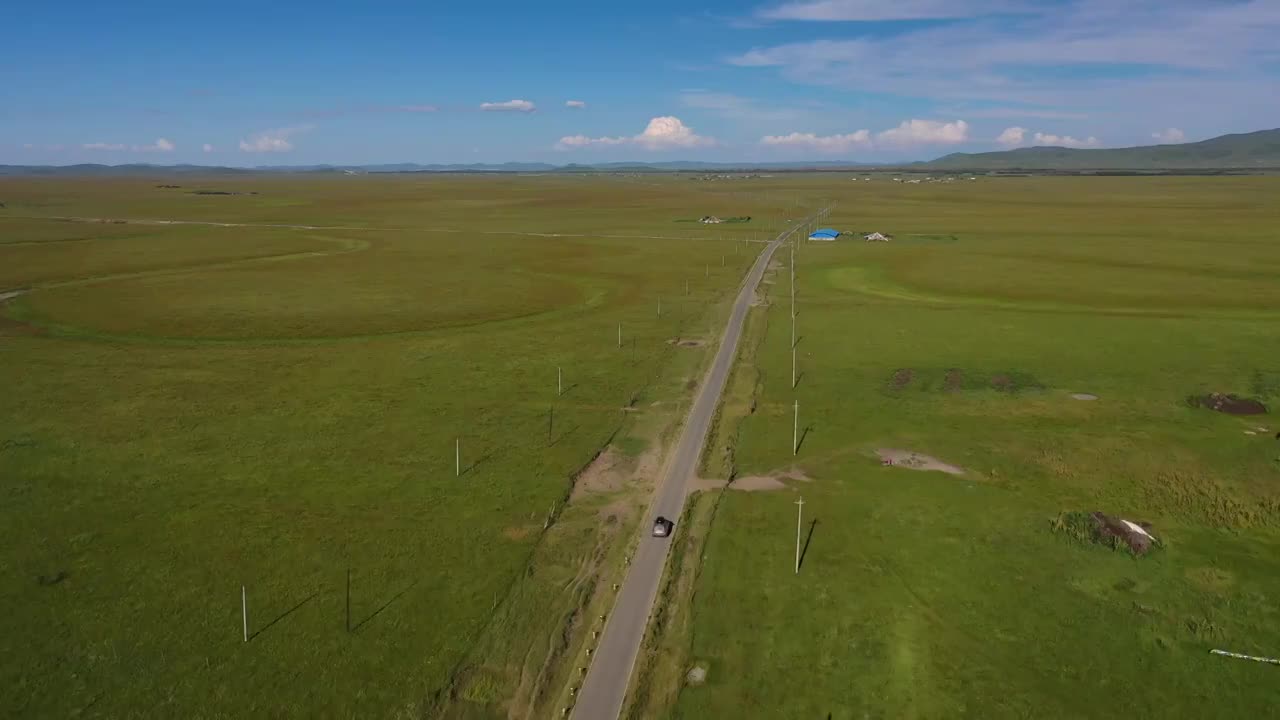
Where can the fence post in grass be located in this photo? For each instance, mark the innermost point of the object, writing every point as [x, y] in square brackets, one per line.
[457, 457]
[559, 382]
[619, 335]
[244, 611]
[799, 512]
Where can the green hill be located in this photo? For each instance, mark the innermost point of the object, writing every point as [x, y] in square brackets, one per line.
[1248, 150]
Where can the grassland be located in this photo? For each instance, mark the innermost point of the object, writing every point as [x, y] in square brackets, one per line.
[928, 595]
[191, 408]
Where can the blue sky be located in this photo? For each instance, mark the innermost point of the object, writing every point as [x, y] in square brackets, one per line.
[288, 83]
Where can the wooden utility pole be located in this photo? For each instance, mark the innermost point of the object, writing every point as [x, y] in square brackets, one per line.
[799, 513]
[795, 430]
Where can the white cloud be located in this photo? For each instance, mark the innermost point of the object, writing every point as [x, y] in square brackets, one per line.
[669, 132]
[103, 146]
[272, 140]
[160, 145]
[523, 106]
[821, 143]
[574, 103]
[1146, 60]
[925, 132]
[1065, 141]
[1169, 136]
[1012, 137]
[877, 10]
[1017, 137]
[662, 133]
[577, 141]
[208, 148]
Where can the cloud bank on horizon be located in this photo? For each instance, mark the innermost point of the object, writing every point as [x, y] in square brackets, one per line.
[878, 80]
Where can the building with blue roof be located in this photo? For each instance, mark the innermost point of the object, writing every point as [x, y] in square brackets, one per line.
[824, 235]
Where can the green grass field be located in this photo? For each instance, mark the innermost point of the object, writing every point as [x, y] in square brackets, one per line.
[190, 408]
[193, 408]
[926, 595]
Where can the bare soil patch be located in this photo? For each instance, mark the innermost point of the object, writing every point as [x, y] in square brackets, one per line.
[953, 381]
[687, 342]
[774, 481]
[916, 461]
[757, 483]
[699, 484]
[901, 378]
[1083, 396]
[602, 475]
[1229, 403]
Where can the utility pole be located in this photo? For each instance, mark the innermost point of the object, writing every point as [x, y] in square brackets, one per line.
[795, 430]
[559, 382]
[244, 611]
[793, 364]
[457, 457]
[799, 513]
[619, 334]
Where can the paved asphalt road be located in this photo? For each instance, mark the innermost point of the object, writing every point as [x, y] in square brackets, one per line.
[614, 658]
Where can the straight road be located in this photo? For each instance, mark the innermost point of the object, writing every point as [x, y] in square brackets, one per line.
[605, 686]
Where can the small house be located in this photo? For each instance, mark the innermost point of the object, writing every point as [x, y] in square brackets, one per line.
[824, 235]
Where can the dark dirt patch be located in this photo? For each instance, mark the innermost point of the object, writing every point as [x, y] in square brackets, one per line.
[1230, 404]
[901, 378]
[1102, 529]
[1013, 382]
[954, 380]
[15, 328]
[48, 580]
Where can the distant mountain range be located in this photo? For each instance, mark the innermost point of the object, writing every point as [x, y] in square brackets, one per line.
[1229, 152]
[1249, 150]
[510, 167]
